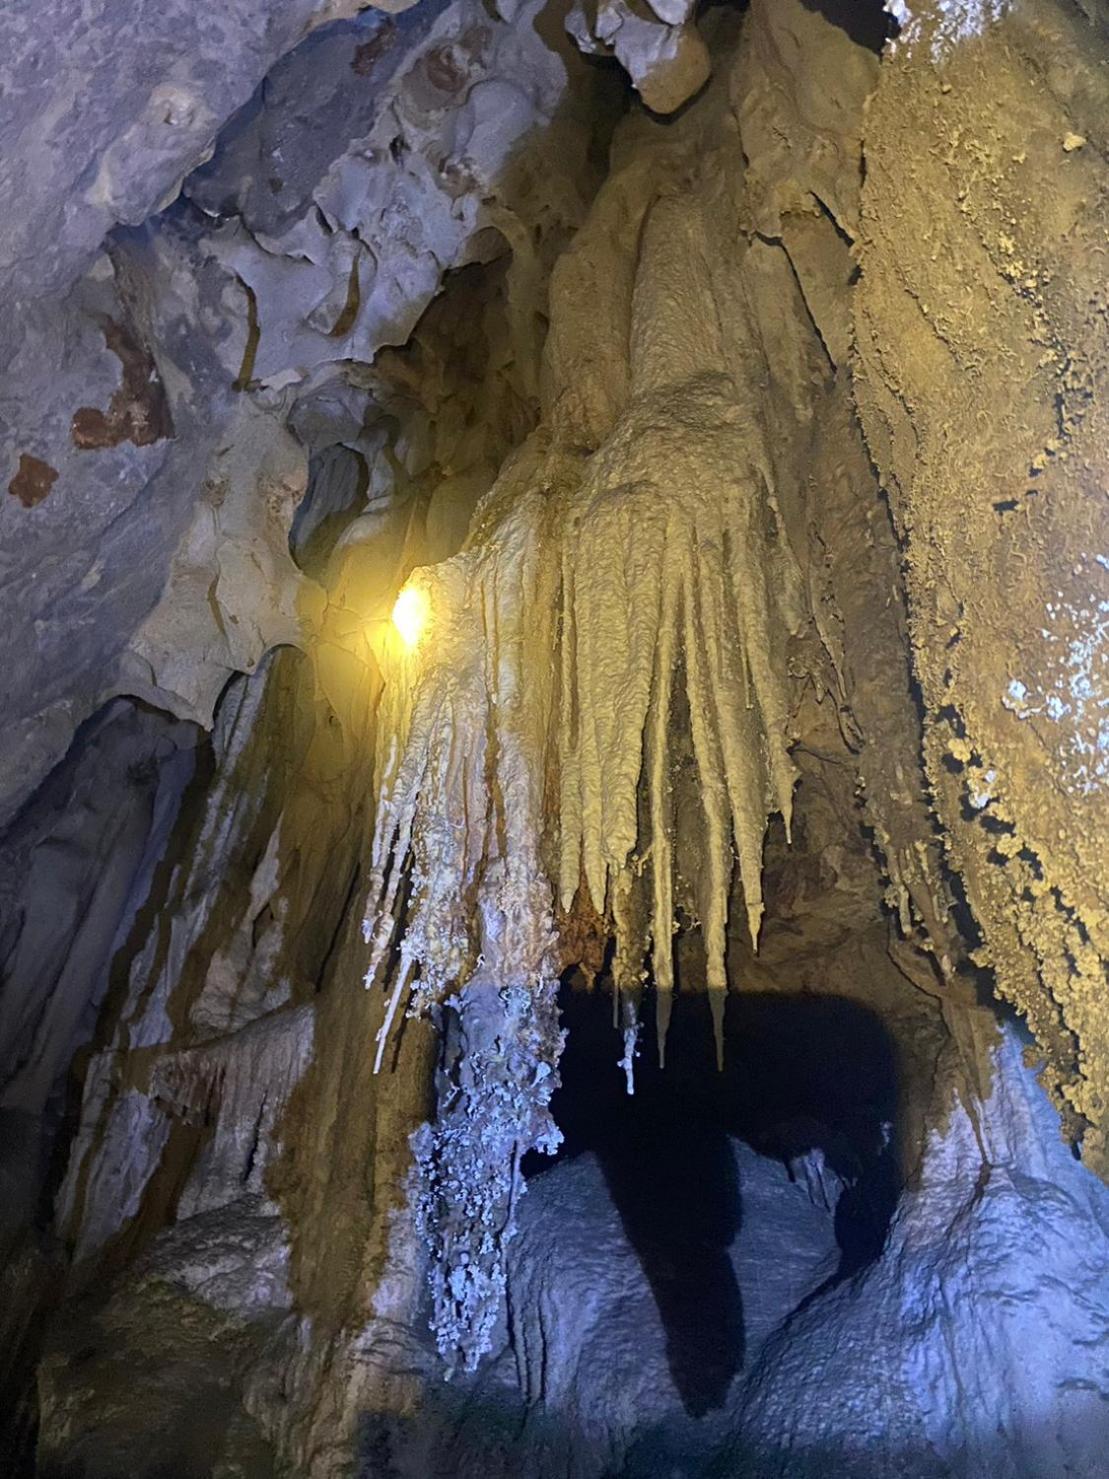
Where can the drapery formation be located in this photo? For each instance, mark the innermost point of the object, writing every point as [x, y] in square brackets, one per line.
[612, 637]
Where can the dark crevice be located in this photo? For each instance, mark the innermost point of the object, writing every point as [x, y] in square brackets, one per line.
[867, 22]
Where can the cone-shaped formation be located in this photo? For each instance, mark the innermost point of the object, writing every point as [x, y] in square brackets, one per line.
[665, 581]
[613, 622]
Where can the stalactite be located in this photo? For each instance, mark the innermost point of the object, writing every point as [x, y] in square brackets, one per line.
[652, 572]
[459, 895]
[666, 552]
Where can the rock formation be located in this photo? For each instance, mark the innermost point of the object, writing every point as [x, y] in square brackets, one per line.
[720, 839]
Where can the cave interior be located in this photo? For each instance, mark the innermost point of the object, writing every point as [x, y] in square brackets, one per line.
[554, 891]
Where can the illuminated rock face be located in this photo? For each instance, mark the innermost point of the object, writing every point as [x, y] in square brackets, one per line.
[743, 463]
[954, 1354]
[948, 1355]
[987, 425]
[150, 368]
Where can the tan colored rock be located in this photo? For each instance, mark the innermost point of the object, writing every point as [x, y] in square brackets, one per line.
[981, 370]
[665, 58]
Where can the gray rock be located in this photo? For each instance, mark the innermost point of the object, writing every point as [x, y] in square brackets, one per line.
[979, 1342]
[106, 108]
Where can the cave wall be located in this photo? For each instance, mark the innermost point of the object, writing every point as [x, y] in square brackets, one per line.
[150, 479]
[190, 1135]
[980, 372]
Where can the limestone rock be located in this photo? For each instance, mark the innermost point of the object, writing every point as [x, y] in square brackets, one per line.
[977, 1344]
[109, 125]
[661, 50]
[748, 455]
[981, 366]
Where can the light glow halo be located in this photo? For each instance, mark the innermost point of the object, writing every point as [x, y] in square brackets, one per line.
[411, 614]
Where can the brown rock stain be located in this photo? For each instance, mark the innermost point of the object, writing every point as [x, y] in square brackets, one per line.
[371, 51]
[33, 480]
[138, 411]
[443, 70]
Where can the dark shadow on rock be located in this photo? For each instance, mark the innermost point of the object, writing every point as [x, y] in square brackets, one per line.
[673, 1178]
[867, 22]
[810, 1081]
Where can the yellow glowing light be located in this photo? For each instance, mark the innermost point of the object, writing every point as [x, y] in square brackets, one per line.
[411, 614]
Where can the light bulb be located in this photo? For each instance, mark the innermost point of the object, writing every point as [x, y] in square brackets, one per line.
[411, 613]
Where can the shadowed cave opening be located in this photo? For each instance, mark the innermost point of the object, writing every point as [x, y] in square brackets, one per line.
[868, 22]
[810, 1083]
